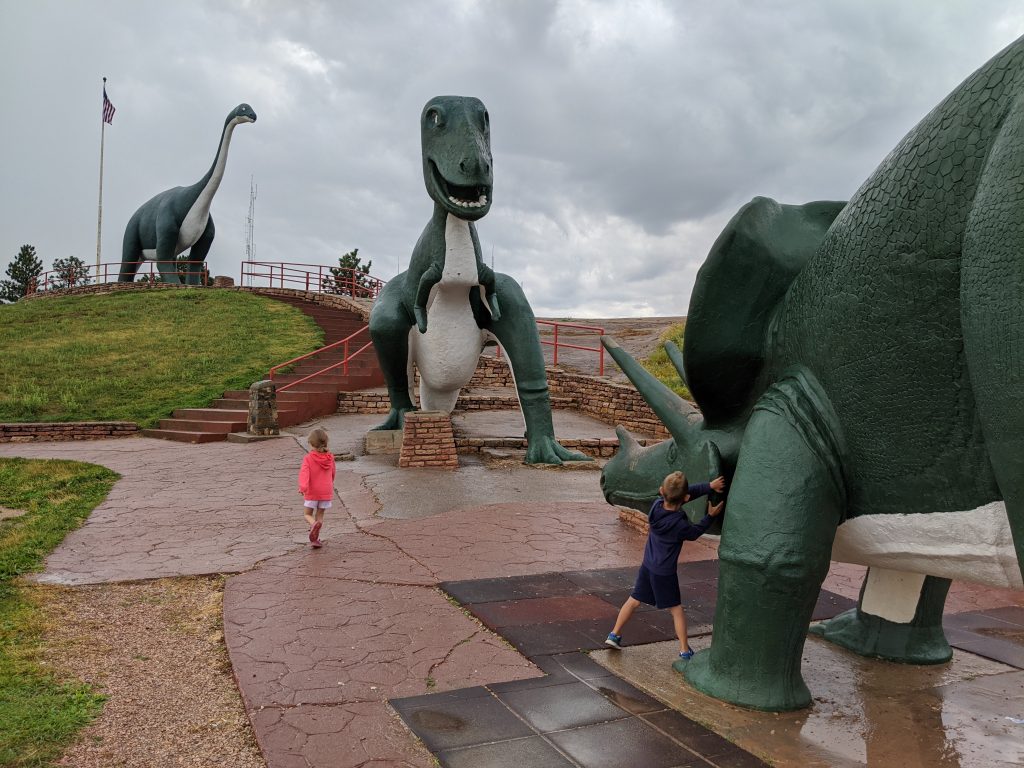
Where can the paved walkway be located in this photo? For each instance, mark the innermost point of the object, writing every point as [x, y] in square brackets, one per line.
[320, 640]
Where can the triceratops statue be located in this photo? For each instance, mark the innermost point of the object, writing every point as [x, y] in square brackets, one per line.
[859, 368]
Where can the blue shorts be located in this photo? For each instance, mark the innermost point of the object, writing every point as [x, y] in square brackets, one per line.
[654, 589]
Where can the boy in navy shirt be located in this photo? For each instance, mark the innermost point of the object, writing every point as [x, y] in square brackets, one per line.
[657, 583]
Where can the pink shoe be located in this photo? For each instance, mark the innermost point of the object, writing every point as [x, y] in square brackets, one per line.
[314, 532]
[316, 544]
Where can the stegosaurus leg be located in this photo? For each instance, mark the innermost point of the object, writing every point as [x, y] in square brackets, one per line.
[991, 296]
[781, 516]
[917, 641]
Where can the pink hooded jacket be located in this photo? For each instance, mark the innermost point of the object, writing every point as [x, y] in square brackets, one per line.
[316, 478]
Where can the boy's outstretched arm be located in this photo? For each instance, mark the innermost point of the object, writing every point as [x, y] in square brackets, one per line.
[697, 490]
[688, 531]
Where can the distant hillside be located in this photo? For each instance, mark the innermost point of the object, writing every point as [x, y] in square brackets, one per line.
[136, 356]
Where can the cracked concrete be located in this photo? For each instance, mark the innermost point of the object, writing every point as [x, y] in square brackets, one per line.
[320, 639]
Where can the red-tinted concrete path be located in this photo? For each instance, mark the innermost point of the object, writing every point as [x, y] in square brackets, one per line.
[321, 639]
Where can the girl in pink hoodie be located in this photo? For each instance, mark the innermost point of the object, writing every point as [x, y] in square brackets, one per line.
[316, 483]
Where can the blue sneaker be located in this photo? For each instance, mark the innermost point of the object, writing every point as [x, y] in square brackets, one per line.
[615, 641]
[686, 655]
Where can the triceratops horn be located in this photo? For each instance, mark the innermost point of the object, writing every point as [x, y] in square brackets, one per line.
[666, 404]
[626, 441]
[677, 359]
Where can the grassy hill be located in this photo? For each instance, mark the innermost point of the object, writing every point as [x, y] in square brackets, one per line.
[659, 364]
[136, 356]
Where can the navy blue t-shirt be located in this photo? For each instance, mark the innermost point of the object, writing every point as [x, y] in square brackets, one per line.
[669, 529]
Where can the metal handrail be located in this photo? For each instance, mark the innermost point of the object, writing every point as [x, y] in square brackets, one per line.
[110, 272]
[344, 361]
[350, 282]
[556, 343]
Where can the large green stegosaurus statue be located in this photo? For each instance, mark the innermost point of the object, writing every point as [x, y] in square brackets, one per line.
[860, 371]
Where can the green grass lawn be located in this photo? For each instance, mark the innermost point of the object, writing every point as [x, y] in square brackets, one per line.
[659, 364]
[40, 712]
[136, 356]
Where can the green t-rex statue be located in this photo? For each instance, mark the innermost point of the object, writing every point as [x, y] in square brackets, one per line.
[178, 219]
[860, 372]
[441, 311]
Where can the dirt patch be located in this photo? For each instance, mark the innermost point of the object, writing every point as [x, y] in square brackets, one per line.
[9, 514]
[156, 650]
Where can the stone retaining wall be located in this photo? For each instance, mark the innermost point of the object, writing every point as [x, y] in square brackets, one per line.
[363, 402]
[103, 288]
[360, 307]
[595, 447]
[604, 400]
[81, 430]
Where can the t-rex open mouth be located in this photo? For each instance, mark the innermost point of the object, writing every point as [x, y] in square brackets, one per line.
[465, 197]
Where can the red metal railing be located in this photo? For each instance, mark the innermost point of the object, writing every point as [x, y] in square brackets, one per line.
[556, 344]
[343, 363]
[109, 272]
[310, 277]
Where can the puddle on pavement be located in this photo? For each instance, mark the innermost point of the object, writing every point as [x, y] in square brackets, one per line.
[865, 712]
[436, 722]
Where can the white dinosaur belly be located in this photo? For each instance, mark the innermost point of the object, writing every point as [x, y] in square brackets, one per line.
[448, 353]
[972, 546]
[193, 226]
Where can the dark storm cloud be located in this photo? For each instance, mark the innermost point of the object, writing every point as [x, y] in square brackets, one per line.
[625, 134]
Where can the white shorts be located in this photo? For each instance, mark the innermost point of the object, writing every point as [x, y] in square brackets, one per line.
[325, 504]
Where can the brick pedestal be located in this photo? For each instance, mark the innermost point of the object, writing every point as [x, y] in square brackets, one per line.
[634, 519]
[428, 441]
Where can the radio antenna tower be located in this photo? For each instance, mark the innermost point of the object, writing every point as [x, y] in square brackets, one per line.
[250, 246]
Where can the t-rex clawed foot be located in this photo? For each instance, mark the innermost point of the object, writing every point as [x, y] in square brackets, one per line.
[395, 419]
[546, 450]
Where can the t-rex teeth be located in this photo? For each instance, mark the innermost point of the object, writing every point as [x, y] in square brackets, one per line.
[479, 203]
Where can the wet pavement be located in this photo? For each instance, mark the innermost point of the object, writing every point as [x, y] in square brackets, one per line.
[454, 605]
[865, 712]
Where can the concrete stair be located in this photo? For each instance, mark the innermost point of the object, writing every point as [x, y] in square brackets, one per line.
[302, 402]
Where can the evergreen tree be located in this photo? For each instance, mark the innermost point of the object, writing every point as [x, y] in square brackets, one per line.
[69, 273]
[350, 277]
[23, 272]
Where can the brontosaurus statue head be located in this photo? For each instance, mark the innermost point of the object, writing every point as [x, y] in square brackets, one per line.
[456, 138]
[243, 113]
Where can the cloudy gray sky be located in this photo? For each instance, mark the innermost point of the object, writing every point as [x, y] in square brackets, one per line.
[625, 133]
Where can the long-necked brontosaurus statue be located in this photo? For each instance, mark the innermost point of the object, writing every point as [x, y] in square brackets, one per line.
[860, 370]
[178, 219]
[448, 304]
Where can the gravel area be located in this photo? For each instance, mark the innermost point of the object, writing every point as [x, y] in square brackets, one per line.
[156, 649]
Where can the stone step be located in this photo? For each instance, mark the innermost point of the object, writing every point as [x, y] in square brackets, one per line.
[231, 403]
[214, 414]
[243, 394]
[203, 425]
[184, 437]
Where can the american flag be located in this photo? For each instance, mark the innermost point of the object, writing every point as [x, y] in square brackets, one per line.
[108, 108]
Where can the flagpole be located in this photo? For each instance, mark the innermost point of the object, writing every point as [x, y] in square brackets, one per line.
[99, 207]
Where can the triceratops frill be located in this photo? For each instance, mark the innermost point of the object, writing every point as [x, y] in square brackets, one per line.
[859, 368]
